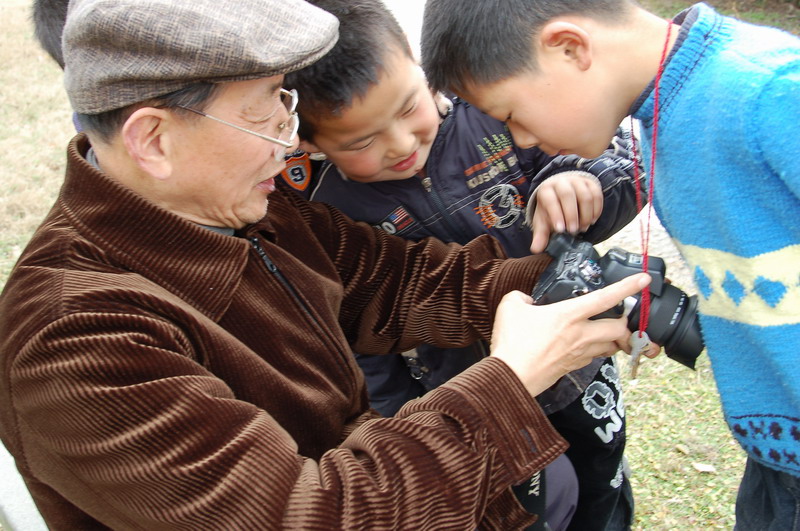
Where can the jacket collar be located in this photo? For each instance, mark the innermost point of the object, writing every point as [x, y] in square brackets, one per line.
[200, 266]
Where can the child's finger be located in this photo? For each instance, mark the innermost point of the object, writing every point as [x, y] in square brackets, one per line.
[590, 203]
[542, 228]
[549, 208]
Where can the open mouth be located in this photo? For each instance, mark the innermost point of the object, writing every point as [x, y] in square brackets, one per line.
[267, 185]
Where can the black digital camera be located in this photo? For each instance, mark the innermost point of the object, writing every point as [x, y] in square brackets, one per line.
[577, 268]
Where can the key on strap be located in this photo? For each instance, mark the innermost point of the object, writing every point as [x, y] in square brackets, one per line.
[640, 342]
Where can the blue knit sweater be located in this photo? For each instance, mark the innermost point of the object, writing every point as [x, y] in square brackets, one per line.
[727, 188]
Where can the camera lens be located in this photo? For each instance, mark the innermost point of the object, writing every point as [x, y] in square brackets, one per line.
[673, 324]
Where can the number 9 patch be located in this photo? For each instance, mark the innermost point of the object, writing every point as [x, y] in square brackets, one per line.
[298, 171]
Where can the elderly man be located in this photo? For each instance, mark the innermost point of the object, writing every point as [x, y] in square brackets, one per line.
[175, 357]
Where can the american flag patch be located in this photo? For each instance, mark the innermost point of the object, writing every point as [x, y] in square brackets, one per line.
[397, 222]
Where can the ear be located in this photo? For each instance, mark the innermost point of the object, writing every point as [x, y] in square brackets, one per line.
[566, 41]
[146, 135]
[309, 147]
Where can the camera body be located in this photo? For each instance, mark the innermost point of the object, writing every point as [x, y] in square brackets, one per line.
[577, 269]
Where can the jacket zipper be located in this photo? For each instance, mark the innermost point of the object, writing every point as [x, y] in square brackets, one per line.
[460, 236]
[272, 268]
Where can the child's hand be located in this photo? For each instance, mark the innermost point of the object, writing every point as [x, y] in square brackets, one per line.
[570, 201]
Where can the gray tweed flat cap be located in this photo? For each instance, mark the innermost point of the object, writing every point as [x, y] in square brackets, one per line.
[121, 52]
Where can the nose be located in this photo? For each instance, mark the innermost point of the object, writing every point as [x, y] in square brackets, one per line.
[402, 141]
[281, 152]
[522, 137]
[295, 142]
[286, 134]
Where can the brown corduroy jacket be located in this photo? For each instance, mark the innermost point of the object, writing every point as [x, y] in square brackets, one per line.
[159, 375]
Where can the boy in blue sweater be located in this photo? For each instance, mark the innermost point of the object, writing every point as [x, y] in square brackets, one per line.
[719, 105]
[420, 165]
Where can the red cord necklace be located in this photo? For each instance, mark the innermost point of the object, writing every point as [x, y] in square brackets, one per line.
[644, 313]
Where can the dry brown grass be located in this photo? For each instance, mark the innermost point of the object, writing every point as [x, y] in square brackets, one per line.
[36, 126]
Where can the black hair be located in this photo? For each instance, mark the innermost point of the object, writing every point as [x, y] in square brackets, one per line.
[367, 31]
[49, 17]
[485, 41]
[106, 124]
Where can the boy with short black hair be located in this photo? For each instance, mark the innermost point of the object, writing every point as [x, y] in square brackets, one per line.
[48, 24]
[718, 101]
[420, 165]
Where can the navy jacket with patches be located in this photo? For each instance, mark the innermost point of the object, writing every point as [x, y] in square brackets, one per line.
[477, 182]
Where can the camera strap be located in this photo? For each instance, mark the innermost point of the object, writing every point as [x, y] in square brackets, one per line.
[644, 225]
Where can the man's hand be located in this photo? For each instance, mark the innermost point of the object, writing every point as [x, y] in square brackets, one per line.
[543, 343]
[570, 201]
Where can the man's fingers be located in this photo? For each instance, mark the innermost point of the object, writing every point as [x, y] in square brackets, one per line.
[653, 351]
[517, 296]
[601, 300]
[600, 338]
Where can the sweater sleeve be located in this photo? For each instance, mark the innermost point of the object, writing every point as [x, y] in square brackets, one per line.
[775, 134]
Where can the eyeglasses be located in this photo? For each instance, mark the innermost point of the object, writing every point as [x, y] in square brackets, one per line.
[288, 129]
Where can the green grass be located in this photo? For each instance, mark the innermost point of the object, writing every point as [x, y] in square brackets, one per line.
[778, 13]
[686, 466]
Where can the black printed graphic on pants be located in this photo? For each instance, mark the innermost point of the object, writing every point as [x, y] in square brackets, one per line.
[594, 426]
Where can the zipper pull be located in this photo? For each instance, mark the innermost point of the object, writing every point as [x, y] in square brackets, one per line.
[427, 184]
[271, 267]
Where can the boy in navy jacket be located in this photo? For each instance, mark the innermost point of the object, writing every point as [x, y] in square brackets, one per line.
[418, 164]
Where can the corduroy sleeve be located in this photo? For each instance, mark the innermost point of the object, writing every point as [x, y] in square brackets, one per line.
[400, 293]
[487, 434]
[186, 380]
[128, 427]
[142, 435]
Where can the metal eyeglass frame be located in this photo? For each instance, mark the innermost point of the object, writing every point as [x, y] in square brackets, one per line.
[292, 124]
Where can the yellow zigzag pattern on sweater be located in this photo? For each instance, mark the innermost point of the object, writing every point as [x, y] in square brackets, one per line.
[762, 291]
